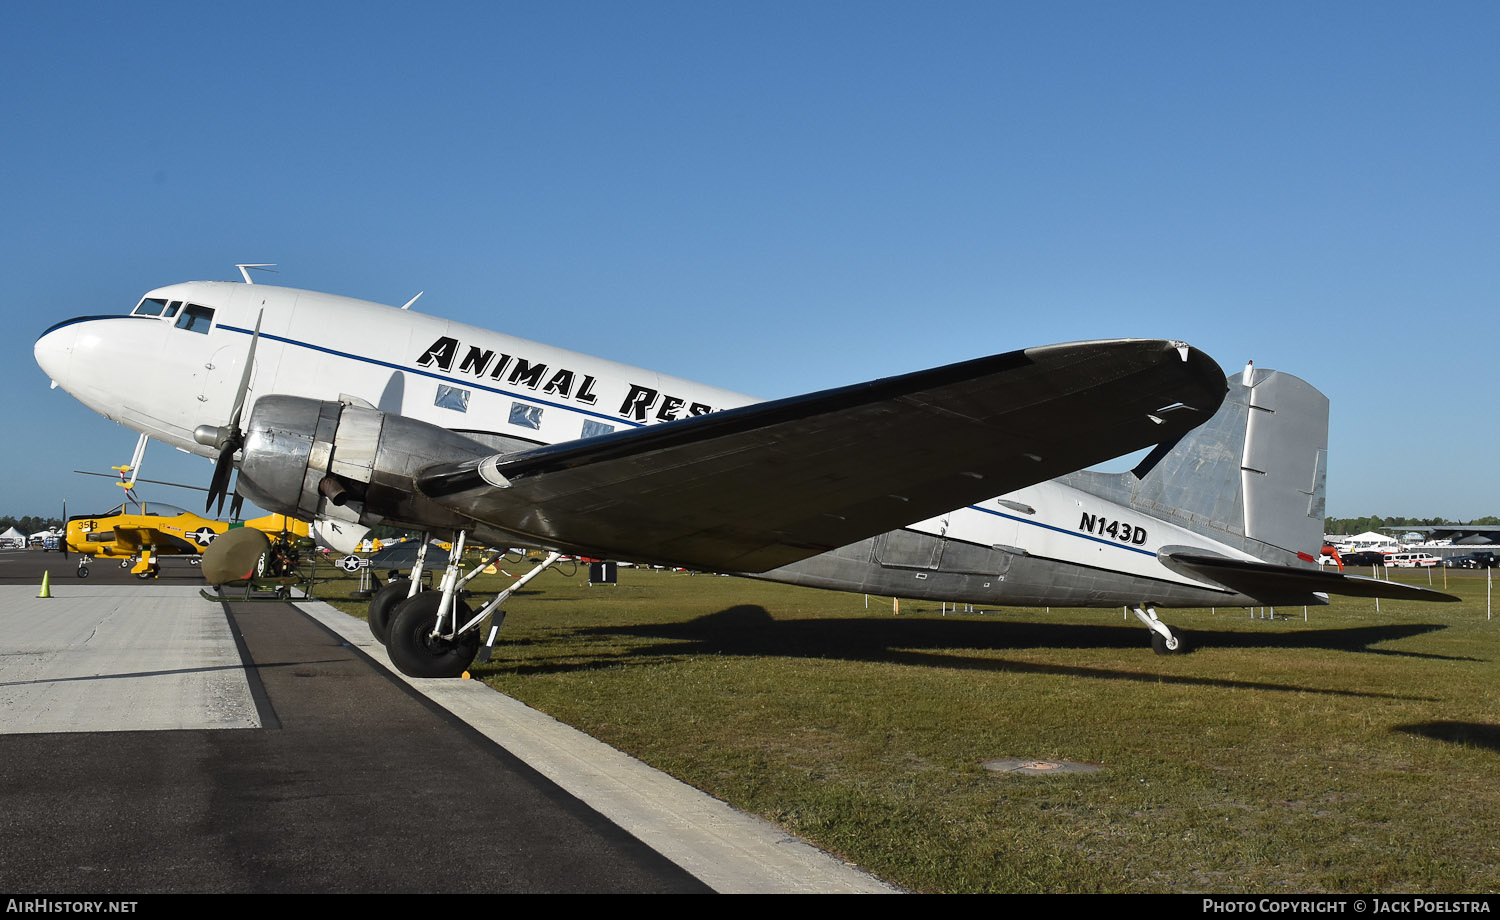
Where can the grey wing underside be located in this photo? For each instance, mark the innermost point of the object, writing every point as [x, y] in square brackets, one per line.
[754, 488]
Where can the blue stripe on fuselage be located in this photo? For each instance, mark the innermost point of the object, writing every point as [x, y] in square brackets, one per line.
[461, 381]
[1070, 533]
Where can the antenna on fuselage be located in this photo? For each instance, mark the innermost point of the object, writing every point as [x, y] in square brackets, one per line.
[258, 266]
[408, 304]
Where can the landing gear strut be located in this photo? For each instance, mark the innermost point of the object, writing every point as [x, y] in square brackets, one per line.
[1163, 640]
[434, 633]
[384, 601]
[145, 564]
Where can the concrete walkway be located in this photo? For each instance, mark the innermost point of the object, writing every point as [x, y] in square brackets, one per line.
[99, 658]
[110, 658]
[730, 851]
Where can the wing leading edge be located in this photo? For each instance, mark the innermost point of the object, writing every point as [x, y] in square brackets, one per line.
[761, 486]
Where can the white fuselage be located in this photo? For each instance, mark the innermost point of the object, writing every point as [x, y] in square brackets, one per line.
[166, 374]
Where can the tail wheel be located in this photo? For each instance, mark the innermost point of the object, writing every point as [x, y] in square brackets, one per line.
[382, 604]
[1161, 645]
[416, 652]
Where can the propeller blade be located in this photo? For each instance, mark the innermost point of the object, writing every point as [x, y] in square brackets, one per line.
[235, 504]
[64, 540]
[223, 469]
[159, 482]
[239, 396]
[231, 438]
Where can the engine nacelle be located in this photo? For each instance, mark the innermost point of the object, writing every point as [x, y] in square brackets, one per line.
[318, 459]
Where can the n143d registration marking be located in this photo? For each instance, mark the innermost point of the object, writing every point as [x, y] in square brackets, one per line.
[1102, 526]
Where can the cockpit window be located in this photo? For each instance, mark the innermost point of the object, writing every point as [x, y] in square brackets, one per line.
[172, 308]
[151, 306]
[161, 509]
[195, 318]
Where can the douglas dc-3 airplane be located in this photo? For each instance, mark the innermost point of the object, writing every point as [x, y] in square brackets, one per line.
[965, 482]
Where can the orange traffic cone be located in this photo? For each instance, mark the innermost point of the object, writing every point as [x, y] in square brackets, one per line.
[46, 585]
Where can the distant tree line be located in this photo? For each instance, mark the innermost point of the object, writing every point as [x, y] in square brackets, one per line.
[1351, 526]
[29, 525]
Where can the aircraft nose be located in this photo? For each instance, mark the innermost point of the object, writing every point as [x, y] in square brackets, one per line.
[54, 352]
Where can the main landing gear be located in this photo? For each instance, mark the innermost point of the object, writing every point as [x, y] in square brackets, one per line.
[145, 564]
[1163, 640]
[434, 633]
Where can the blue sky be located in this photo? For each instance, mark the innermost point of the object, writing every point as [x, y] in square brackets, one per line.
[779, 197]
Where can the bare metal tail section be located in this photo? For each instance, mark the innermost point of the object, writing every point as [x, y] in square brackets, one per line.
[1253, 476]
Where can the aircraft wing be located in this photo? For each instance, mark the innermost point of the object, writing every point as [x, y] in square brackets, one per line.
[1285, 584]
[133, 538]
[754, 488]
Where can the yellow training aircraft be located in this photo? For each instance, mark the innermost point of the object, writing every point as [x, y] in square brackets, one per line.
[141, 532]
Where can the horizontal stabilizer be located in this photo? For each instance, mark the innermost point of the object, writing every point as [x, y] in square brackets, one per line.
[1285, 584]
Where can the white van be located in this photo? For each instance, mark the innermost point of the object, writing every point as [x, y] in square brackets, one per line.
[1411, 560]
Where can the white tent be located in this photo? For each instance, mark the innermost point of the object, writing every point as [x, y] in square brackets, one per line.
[14, 534]
[1371, 540]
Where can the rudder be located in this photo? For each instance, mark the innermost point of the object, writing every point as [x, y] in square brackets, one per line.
[1252, 476]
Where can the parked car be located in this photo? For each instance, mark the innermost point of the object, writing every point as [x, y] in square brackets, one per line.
[1364, 557]
[1411, 560]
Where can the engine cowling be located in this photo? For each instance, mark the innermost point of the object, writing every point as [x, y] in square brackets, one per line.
[313, 458]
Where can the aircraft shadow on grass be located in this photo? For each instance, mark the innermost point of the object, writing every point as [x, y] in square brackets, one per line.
[1466, 734]
[750, 630]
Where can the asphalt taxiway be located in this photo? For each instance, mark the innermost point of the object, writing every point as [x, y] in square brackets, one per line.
[154, 741]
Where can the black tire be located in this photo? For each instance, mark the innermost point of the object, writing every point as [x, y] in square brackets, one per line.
[83, 571]
[382, 603]
[1159, 644]
[413, 650]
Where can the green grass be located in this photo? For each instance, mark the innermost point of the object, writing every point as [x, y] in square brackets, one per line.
[1353, 752]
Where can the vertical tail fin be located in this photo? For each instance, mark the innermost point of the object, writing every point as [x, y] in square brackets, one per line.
[1253, 476]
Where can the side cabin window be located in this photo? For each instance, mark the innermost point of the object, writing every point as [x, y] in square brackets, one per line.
[524, 416]
[196, 319]
[455, 398]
